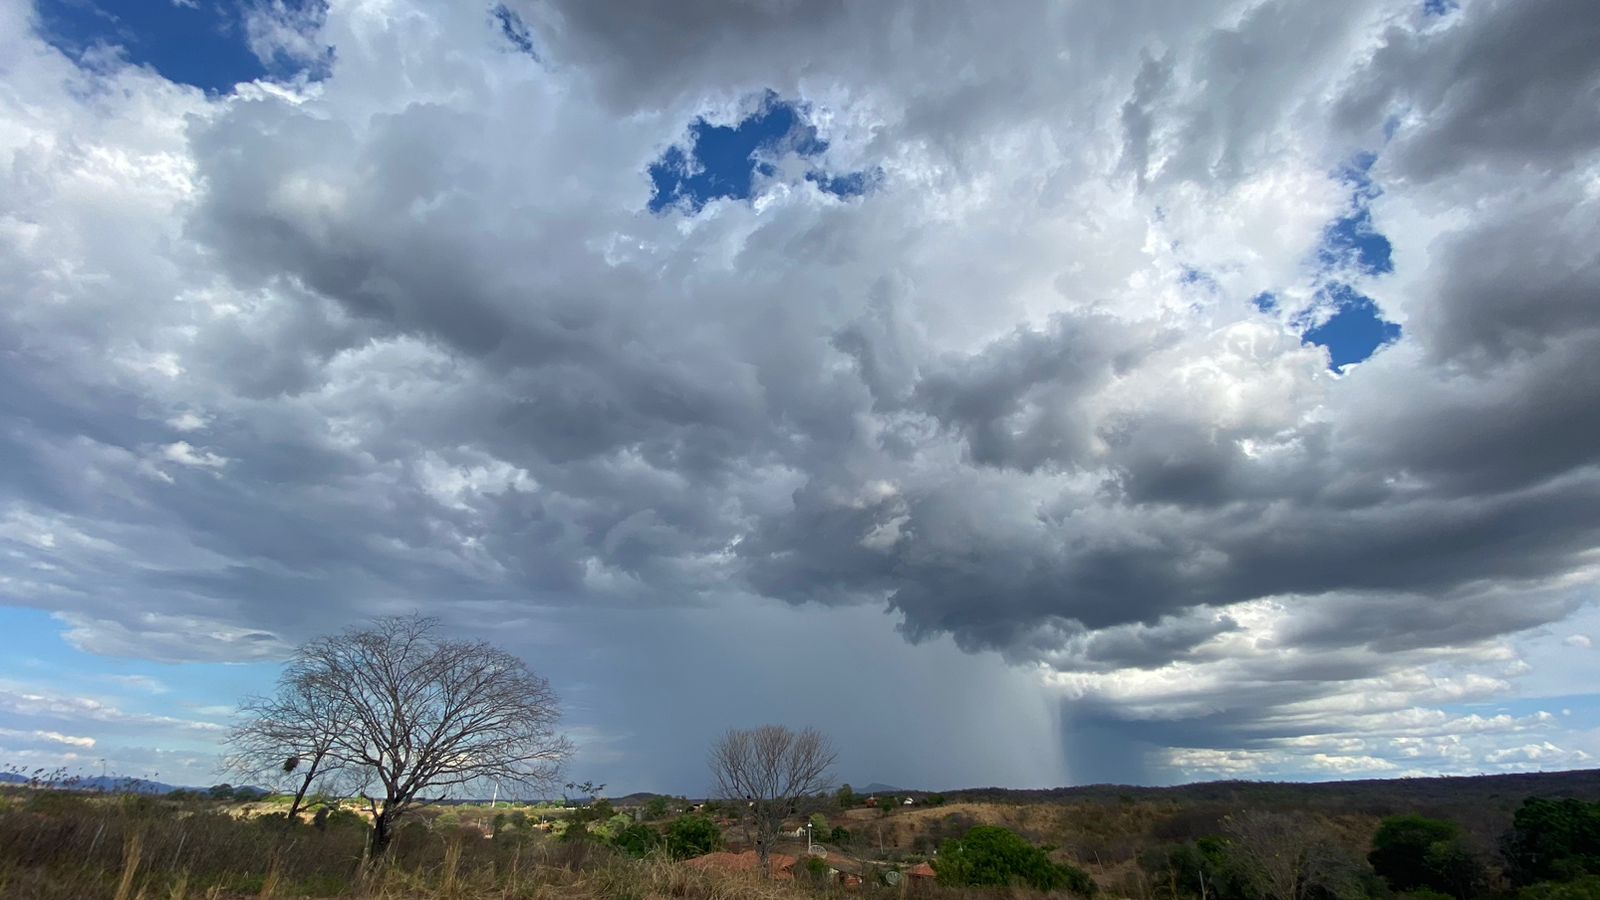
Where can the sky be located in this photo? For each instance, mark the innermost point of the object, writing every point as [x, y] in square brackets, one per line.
[1023, 393]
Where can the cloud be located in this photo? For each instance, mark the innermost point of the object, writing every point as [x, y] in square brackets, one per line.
[143, 683]
[48, 737]
[27, 702]
[405, 334]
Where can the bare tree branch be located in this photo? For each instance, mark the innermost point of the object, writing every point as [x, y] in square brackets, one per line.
[767, 773]
[418, 713]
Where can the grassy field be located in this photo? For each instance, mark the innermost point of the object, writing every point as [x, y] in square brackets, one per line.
[60, 844]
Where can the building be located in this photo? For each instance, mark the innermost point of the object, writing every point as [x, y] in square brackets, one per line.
[748, 861]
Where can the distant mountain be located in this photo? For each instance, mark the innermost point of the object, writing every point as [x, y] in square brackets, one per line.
[120, 784]
[116, 784]
[878, 787]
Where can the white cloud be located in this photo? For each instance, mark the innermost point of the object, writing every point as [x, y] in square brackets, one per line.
[416, 328]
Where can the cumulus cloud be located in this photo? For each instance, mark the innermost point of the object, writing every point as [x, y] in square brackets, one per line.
[406, 335]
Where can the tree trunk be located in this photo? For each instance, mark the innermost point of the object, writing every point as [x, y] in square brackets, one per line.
[764, 853]
[382, 833]
[300, 795]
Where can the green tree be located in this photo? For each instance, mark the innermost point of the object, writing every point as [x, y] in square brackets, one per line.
[1553, 840]
[991, 856]
[638, 840]
[657, 808]
[1412, 852]
[846, 797]
[1204, 868]
[690, 836]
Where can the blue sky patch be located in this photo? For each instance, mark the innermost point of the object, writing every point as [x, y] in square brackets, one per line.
[201, 43]
[514, 30]
[722, 161]
[1351, 245]
[1355, 331]
[1352, 238]
[1438, 7]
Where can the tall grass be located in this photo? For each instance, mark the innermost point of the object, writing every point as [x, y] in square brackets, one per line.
[61, 845]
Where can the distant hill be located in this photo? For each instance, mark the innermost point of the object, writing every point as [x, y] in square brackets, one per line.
[878, 787]
[1377, 792]
[120, 784]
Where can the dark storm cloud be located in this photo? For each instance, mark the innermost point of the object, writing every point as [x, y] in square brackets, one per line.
[1502, 84]
[413, 338]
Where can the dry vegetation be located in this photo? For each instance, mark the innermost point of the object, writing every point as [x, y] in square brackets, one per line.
[62, 844]
[58, 845]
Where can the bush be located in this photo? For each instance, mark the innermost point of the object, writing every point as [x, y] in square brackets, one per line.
[1553, 840]
[690, 836]
[1201, 868]
[1414, 853]
[1585, 888]
[638, 840]
[991, 856]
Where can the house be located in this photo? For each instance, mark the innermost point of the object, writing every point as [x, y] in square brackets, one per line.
[872, 803]
[921, 872]
[748, 861]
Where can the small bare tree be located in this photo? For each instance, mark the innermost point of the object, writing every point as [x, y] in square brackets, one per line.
[766, 773]
[423, 717]
[289, 738]
[1288, 856]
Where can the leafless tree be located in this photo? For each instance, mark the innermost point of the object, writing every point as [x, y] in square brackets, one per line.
[766, 773]
[424, 717]
[1289, 855]
[289, 738]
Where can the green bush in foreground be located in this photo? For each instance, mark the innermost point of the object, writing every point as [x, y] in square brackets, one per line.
[690, 836]
[1414, 853]
[991, 856]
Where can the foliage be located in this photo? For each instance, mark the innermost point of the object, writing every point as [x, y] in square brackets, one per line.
[657, 808]
[638, 840]
[815, 869]
[991, 856]
[1411, 852]
[1203, 868]
[1586, 887]
[1553, 840]
[690, 836]
[846, 797]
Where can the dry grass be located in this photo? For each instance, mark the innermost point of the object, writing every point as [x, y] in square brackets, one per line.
[56, 846]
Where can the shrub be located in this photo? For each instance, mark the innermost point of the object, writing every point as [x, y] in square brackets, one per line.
[1585, 888]
[1414, 853]
[991, 856]
[1553, 840]
[638, 840]
[690, 836]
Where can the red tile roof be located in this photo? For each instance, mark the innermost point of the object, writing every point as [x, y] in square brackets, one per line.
[748, 861]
